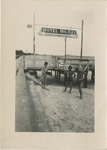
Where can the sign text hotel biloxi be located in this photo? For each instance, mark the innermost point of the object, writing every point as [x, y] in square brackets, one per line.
[58, 32]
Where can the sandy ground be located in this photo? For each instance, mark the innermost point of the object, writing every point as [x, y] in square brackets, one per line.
[63, 112]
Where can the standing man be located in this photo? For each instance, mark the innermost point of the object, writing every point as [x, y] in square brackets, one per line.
[69, 78]
[44, 74]
[80, 77]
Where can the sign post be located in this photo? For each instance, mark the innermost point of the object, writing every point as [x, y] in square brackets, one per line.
[81, 40]
[65, 50]
[34, 33]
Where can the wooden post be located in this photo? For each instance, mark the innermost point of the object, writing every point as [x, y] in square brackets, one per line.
[65, 77]
[55, 73]
[59, 76]
[34, 33]
[81, 41]
[51, 72]
[85, 81]
[65, 50]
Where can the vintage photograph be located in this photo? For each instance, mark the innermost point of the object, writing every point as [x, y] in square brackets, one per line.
[55, 69]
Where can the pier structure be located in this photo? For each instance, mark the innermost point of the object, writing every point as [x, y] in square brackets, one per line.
[57, 66]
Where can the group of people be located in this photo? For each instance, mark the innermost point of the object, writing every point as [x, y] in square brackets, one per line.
[80, 76]
[70, 75]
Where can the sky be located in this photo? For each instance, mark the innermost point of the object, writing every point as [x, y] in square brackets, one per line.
[18, 14]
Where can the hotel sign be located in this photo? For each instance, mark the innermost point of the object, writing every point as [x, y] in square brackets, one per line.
[58, 32]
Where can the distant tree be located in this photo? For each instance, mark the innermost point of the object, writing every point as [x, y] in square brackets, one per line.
[19, 53]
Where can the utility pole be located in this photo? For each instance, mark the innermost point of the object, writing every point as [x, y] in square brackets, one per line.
[65, 49]
[34, 33]
[81, 40]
